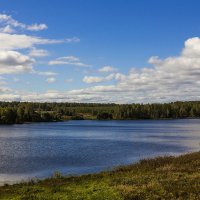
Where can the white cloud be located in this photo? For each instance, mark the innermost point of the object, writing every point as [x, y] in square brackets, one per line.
[38, 52]
[14, 62]
[7, 29]
[192, 47]
[51, 80]
[9, 97]
[97, 79]
[37, 27]
[108, 69]
[22, 41]
[170, 79]
[68, 60]
[4, 17]
[93, 79]
[7, 22]
[46, 73]
[11, 41]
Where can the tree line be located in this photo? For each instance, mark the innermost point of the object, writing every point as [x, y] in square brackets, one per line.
[21, 112]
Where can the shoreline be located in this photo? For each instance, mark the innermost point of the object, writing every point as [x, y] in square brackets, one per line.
[159, 119]
[160, 172]
[105, 170]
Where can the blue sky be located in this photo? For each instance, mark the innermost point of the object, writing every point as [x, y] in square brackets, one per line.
[99, 50]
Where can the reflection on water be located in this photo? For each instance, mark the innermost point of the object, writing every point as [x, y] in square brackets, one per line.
[74, 147]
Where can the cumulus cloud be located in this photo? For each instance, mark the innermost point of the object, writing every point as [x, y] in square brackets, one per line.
[68, 60]
[14, 62]
[170, 79]
[108, 69]
[10, 39]
[22, 41]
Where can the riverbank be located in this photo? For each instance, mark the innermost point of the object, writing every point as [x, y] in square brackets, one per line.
[158, 178]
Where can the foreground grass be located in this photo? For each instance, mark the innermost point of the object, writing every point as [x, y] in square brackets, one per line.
[159, 178]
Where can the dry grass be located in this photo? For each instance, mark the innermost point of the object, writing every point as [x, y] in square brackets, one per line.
[160, 178]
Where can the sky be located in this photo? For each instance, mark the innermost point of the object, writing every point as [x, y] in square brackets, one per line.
[119, 51]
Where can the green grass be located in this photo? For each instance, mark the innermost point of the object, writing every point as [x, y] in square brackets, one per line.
[159, 178]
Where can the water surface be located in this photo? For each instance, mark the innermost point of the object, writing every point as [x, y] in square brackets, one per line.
[76, 147]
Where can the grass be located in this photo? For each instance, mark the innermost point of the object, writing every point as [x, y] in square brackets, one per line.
[158, 178]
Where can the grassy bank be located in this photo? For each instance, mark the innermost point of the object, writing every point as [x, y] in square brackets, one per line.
[159, 178]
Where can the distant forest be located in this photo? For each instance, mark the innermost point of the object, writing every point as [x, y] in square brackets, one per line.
[21, 112]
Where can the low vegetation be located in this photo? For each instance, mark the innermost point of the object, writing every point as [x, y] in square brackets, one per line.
[16, 112]
[160, 178]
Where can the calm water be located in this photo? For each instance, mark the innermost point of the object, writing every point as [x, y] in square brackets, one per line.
[75, 147]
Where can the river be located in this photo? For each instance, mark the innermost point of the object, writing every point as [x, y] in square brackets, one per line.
[37, 150]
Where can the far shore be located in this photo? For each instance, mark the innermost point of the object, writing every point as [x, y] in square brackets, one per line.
[55, 121]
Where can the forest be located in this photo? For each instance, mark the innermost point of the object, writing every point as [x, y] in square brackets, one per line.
[22, 112]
